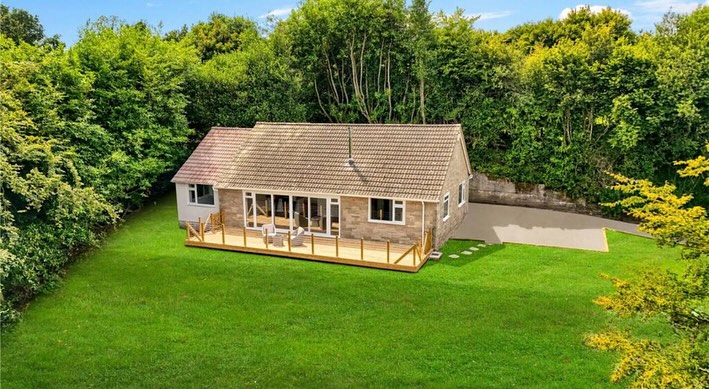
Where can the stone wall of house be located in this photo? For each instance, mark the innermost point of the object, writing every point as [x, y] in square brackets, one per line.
[457, 174]
[505, 192]
[232, 203]
[355, 224]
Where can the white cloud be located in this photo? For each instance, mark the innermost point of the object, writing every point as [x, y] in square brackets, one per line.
[662, 6]
[489, 15]
[152, 5]
[277, 13]
[594, 9]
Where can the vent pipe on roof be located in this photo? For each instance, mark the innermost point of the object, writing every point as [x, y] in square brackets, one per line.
[350, 161]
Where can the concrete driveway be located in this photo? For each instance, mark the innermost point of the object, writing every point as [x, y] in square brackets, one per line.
[502, 223]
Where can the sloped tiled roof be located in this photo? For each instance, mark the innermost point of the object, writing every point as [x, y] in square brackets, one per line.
[401, 161]
[214, 154]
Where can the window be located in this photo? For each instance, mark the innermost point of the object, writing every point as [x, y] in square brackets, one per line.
[461, 194]
[386, 210]
[201, 194]
[446, 202]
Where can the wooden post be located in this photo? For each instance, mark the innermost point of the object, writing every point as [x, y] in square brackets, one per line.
[244, 236]
[337, 248]
[312, 244]
[201, 229]
[188, 230]
[223, 235]
[387, 251]
[266, 240]
[361, 249]
[289, 247]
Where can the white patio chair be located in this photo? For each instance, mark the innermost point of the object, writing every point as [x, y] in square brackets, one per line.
[268, 231]
[296, 238]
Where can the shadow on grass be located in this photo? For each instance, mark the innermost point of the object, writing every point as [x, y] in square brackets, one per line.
[456, 246]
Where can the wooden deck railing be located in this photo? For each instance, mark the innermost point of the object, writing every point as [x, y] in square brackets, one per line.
[418, 251]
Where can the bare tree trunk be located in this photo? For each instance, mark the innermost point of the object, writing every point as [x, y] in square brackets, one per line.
[332, 81]
[388, 80]
[356, 82]
[317, 93]
[341, 78]
[422, 100]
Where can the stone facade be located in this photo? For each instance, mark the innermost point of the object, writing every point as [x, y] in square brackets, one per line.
[355, 224]
[457, 174]
[232, 203]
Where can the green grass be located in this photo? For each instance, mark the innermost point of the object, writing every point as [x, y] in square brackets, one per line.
[145, 311]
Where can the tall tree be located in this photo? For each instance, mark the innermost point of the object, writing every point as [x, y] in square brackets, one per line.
[421, 31]
[20, 25]
[219, 34]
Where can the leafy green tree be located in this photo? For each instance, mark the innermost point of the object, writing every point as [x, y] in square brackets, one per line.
[245, 86]
[679, 298]
[220, 34]
[47, 212]
[20, 26]
[355, 58]
[138, 99]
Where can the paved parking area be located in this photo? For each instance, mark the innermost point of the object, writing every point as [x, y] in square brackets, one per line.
[503, 223]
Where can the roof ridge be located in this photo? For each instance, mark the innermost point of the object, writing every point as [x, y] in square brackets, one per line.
[230, 128]
[360, 124]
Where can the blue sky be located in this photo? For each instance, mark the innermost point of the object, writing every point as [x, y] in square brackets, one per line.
[66, 17]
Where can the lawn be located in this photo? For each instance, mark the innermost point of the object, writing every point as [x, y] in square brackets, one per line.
[145, 311]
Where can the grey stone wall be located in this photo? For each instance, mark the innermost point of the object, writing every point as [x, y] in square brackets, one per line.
[232, 203]
[355, 224]
[505, 192]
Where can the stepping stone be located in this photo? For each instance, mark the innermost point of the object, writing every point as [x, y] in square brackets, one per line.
[453, 256]
[473, 249]
[467, 252]
[482, 245]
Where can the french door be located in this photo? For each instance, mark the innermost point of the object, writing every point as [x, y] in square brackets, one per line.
[317, 215]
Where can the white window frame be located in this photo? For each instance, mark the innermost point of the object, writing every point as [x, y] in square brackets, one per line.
[331, 199]
[446, 206]
[192, 188]
[461, 194]
[394, 207]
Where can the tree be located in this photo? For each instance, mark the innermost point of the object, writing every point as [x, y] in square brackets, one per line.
[138, 99]
[680, 299]
[20, 26]
[47, 212]
[421, 31]
[244, 86]
[220, 34]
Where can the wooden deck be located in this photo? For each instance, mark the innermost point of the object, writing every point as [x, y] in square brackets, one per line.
[380, 255]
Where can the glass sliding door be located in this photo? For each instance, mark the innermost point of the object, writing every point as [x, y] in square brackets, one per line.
[318, 215]
[281, 211]
[250, 220]
[334, 221]
[300, 213]
[264, 209]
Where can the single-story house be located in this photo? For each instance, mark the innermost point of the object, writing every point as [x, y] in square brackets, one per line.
[375, 182]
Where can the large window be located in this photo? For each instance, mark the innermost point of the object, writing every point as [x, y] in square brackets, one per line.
[386, 210]
[461, 194]
[314, 214]
[201, 194]
[446, 203]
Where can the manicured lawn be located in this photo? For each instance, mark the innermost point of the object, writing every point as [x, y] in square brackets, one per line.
[145, 311]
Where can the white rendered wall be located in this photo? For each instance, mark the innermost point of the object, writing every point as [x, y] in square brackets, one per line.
[187, 212]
